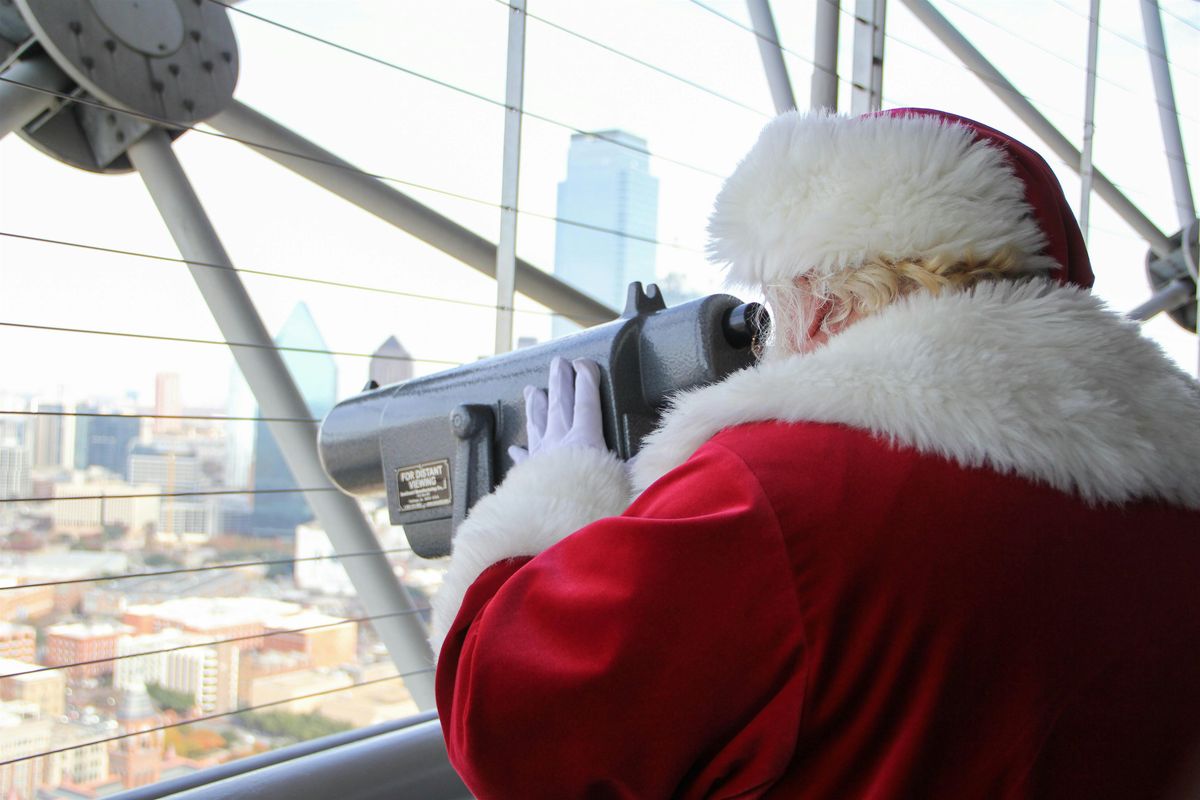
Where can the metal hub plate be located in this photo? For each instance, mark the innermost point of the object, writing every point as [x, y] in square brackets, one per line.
[174, 60]
[1181, 263]
[151, 27]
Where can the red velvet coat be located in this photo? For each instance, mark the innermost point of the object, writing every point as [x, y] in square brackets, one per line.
[880, 571]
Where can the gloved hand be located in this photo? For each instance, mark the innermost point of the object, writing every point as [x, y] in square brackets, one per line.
[569, 416]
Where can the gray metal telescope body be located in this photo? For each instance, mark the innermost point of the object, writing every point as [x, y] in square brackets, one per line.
[437, 444]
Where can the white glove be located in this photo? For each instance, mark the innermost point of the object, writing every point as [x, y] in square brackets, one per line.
[569, 417]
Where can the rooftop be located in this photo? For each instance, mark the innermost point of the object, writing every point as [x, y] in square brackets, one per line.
[35, 567]
[12, 628]
[10, 665]
[301, 619]
[216, 612]
[88, 630]
[171, 637]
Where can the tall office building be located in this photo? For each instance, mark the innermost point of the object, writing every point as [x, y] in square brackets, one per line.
[608, 186]
[239, 431]
[234, 509]
[168, 403]
[15, 479]
[105, 441]
[391, 363]
[53, 442]
[175, 469]
[171, 467]
[14, 459]
[315, 374]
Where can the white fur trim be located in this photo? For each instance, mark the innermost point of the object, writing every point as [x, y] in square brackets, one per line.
[1027, 378]
[541, 501]
[818, 194]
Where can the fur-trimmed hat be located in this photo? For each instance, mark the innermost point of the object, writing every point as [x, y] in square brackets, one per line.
[818, 194]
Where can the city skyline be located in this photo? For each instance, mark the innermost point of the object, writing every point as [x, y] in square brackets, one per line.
[87, 665]
[276, 222]
[608, 187]
[275, 513]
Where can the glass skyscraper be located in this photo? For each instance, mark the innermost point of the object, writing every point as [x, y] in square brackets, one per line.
[278, 514]
[105, 441]
[608, 186]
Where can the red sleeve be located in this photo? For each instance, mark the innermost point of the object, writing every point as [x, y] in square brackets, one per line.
[655, 654]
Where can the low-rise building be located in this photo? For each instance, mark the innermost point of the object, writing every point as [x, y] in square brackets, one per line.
[18, 602]
[89, 645]
[327, 641]
[255, 621]
[137, 756]
[209, 674]
[306, 639]
[379, 698]
[310, 685]
[265, 663]
[18, 642]
[51, 567]
[26, 731]
[103, 502]
[47, 690]
[214, 617]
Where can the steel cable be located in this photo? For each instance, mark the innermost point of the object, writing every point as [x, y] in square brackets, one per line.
[218, 715]
[206, 568]
[215, 642]
[162, 121]
[467, 92]
[253, 345]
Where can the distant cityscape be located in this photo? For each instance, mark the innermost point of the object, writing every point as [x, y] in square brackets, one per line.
[85, 661]
[99, 677]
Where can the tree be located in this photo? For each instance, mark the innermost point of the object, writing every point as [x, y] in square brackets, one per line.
[294, 726]
[193, 743]
[166, 698]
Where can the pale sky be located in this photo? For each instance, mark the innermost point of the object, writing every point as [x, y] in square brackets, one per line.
[394, 124]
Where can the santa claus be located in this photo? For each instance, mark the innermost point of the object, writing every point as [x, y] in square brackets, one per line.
[943, 541]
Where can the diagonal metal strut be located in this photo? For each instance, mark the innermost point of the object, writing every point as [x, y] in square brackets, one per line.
[20, 106]
[288, 148]
[1062, 147]
[1168, 116]
[378, 588]
[771, 52]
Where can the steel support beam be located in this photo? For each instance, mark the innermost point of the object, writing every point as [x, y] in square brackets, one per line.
[825, 56]
[20, 106]
[514, 103]
[866, 90]
[380, 592]
[1008, 94]
[771, 52]
[289, 149]
[1089, 120]
[1156, 50]
[1168, 299]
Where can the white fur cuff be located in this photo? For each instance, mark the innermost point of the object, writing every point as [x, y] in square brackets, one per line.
[541, 502]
